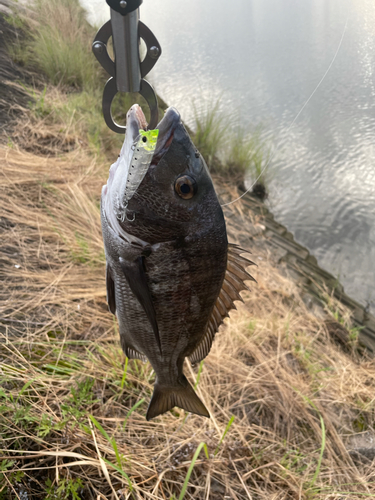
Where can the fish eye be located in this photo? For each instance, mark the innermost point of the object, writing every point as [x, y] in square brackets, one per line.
[185, 187]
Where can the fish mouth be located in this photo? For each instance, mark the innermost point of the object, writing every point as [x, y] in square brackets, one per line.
[135, 121]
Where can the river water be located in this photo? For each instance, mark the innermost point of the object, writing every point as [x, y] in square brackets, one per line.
[264, 59]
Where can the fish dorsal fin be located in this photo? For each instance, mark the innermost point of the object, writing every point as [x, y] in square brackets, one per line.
[233, 284]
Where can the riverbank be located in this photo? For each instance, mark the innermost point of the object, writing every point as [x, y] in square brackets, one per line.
[292, 409]
[315, 283]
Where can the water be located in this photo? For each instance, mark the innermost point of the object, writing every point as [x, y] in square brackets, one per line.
[264, 58]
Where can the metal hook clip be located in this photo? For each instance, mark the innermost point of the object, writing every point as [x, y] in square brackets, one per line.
[126, 70]
[110, 90]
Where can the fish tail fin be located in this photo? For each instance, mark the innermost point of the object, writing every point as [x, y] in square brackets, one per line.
[165, 398]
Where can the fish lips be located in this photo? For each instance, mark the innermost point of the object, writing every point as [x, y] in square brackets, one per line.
[135, 120]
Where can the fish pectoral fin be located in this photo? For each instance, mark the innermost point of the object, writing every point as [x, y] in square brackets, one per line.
[165, 398]
[233, 284]
[135, 275]
[110, 290]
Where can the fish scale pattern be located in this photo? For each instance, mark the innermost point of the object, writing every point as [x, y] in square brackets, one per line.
[154, 202]
[182, 298]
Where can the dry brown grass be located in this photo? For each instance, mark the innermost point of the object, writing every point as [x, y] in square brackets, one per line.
[294, 394]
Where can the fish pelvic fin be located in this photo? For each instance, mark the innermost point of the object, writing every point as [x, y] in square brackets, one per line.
[165, 398]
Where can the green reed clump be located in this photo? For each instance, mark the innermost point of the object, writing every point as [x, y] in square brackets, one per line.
[209, 133]
[57, 43]
[231, 152]
[247, 155]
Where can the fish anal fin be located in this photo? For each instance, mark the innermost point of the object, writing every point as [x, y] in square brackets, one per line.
[135, 275]
[111, 301]
[204, 345]
[165, 398]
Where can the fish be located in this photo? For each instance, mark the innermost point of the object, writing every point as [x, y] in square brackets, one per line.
[171, 275]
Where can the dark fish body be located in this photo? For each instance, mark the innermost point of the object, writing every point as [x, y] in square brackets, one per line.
[168, 259]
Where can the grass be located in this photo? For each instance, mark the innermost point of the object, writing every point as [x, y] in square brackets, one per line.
[190, 470]
[209, 133]
[58, 43]
[224, 434]
[284, 398]
[230, 151]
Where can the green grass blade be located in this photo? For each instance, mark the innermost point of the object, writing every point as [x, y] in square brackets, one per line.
[123, 381]
[322, 447]
[134, 407]
[110, 440]
[58, 369]
[115, 449]
[120, 471]
[196, 455]
[323, 443]
[223, 436]
[99, 427]
[24, 388]
[199, 374]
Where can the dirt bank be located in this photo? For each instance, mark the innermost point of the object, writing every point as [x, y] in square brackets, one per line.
[12, 96]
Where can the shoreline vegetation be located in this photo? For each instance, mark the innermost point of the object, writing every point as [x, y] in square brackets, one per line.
[231, 153]
[289, 406]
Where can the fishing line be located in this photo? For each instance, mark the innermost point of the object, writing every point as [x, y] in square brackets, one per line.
[296, 117]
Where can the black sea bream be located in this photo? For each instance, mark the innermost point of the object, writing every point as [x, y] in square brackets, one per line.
[171, 275]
